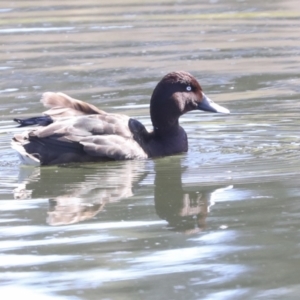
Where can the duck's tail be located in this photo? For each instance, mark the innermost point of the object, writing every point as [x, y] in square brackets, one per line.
[25, 157]
[40, 121]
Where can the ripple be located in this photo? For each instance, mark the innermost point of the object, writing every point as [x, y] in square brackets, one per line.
[37, 29]
[11, 260]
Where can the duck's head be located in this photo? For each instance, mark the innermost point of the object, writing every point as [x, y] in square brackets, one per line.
[176, 94]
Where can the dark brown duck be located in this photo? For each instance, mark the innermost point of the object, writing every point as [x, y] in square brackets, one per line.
[75, 131]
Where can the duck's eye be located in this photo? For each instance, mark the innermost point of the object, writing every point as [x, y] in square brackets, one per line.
[188, 88]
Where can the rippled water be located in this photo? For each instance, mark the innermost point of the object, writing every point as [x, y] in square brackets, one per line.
[220, 222]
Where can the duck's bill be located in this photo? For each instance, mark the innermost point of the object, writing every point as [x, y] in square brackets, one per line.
[208, 105]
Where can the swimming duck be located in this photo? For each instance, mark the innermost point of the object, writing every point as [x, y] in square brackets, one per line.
[75, 131]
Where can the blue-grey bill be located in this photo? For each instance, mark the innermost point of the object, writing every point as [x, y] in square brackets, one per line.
[208, 105]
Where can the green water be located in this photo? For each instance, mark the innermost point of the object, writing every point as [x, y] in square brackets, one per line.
[219, 222]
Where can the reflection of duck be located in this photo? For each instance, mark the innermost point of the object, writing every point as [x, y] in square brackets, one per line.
[184, 210]
[75, 131]
[78, 194]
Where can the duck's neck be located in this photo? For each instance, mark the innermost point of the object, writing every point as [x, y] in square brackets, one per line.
[166, 129]
[167, 141]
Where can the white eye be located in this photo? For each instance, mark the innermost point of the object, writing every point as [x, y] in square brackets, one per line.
[188, 88]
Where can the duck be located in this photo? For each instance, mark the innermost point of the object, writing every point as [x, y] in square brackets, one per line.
[74, 131]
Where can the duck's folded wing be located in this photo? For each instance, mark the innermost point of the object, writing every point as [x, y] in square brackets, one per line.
[103, 136]
[112, 146]
[81, 126]
[62, 105]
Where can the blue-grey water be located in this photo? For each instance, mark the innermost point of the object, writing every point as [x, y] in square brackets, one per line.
[219, 222]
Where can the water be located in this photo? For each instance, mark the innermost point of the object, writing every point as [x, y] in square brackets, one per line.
[220, 222]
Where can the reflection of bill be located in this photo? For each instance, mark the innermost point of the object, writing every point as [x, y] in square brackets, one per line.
[78, 194]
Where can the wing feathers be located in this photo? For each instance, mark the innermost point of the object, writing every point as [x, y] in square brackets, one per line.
[62, 105]
[114, 146]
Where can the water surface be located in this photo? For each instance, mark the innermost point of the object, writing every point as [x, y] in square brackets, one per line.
[219, 222]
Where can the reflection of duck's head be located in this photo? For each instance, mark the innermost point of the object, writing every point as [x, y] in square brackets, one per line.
[75, 131]
[184, 211]
[184, 208]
